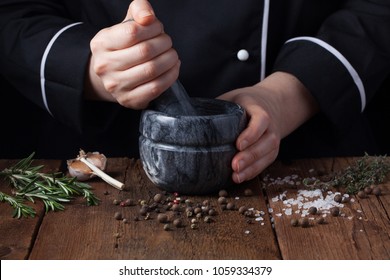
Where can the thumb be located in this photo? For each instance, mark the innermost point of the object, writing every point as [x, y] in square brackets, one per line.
[141, 12]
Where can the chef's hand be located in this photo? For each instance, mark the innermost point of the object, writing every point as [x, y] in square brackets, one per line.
[275, 107]
[132, 62]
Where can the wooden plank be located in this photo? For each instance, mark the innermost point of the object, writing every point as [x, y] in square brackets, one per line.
[360, 232]
[82, 232]
[17, 236]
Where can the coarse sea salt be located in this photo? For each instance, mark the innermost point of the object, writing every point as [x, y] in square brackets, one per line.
[306, 199]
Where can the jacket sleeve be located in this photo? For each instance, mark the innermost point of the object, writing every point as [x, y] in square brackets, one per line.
[44, 53]
[344, 64]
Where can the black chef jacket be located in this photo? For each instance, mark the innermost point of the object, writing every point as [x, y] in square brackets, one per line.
[340, 50]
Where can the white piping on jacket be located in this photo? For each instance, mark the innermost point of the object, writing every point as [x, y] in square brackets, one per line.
[264, 37]
[355, 76]
[43, 63]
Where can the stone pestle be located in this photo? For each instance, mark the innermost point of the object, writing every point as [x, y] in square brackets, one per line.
[175, 101]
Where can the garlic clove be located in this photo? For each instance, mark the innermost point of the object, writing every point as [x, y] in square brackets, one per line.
[97, 159]
[79, 170]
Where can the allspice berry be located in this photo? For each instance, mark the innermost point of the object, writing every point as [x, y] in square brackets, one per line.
[338, 198]
[248, 192]
[368, 190]
[305, 222]
[162, 218]
[212, 212]
[129, 202]
[223, 193]
[335, 211]
[158, 197]
[312, 210]
[230, 206]
[361, 194]
[178, 222]
[321, 220]
[222, 200]
[294, 222]
[118, 216]
[377, 191]
[175, 207]
[242, 209]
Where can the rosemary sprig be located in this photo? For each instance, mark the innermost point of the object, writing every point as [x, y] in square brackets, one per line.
[54, 189]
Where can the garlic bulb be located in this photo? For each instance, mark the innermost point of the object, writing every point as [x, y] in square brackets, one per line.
[80, 170]
[97, 159]
[88, 165]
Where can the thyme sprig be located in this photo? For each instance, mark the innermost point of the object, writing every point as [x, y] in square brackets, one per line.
[30, 184]
[364, 172]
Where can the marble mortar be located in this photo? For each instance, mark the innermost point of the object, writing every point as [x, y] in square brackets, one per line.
[191, 154]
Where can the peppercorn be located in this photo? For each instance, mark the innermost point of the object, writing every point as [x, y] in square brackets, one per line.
[115, 202]
[222, 200]
[338, 198]
[106, 193]
[294, 222]
[207, 219]
[158, 197]
[143, 211]
[335, 211]
[230, 206]
[377, 191]
[167, 227]
[199, 215]
[361, 194]
[223, 193]
[248, 192]
[197, 210]
[178, 222]
[129, 202]
[175, 207]
[162, 218]
[212, 212]
[312, 210]
[321, 220]
[368, 190]
[242, 209]
[118, 216]
[304, 222]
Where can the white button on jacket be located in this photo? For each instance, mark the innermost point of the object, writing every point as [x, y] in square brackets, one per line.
[243, 55]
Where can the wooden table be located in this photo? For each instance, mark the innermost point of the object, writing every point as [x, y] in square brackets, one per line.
[361, 231]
